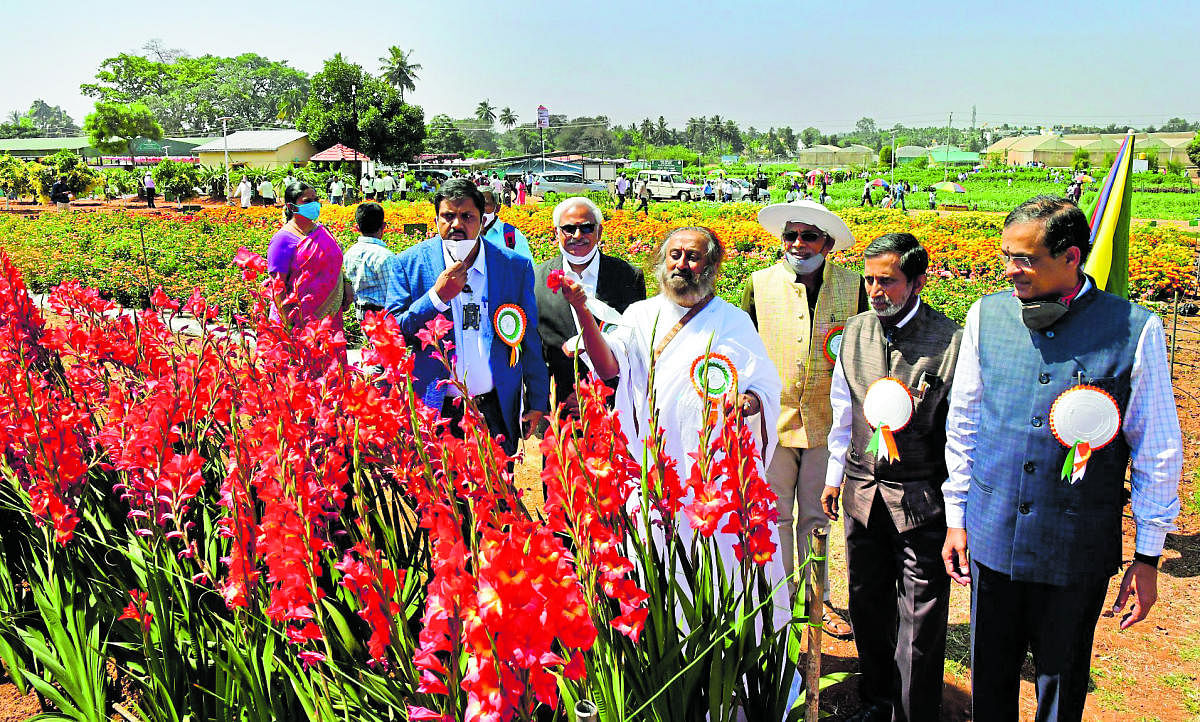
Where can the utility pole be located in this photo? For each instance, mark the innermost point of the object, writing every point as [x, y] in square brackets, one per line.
[946, 156]
[893, 157]
[225, 136]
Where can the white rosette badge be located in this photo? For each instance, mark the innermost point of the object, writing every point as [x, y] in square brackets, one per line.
[888, 407]
[1083, 418]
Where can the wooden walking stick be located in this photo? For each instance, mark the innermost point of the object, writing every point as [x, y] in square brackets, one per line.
[813, 606]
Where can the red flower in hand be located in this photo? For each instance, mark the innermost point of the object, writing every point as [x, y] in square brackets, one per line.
[554, 280]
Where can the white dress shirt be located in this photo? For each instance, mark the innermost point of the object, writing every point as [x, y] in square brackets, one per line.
[1151, 426]
[841, 431]
[472, 347]
[588, 279]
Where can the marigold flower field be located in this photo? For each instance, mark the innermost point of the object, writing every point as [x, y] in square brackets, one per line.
[105, 251]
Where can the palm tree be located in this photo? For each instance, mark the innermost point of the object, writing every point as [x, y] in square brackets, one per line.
[399, 71]
[15, 116]
[508, 118]
[486, 112]
[664, 134]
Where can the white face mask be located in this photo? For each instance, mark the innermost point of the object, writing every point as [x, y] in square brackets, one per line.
[580, 260]
[459, 248]
[804, 266]
[488, 218]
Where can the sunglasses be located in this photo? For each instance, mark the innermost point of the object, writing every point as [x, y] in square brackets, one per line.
[807, 236]
[1026, 262]
[584, 228]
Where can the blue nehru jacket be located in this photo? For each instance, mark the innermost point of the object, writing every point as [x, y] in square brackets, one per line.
[1022, 518]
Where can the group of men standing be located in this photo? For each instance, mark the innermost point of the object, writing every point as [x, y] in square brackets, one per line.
[943, 446]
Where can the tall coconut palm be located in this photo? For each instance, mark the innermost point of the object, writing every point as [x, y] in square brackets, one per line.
[399, 70]
[486, 112]
[508, 118]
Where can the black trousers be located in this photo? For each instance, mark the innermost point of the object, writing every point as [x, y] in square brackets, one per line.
[643, 205]
[899, 605]
[489, 406]
[1056, 623]
[150, 198]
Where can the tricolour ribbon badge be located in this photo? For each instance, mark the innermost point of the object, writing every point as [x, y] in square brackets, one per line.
[1083, 418]
[888, 407]
[714, 378]
[510, 323]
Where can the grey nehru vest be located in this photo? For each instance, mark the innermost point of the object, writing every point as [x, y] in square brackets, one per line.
[1022, 518]
[921, 355]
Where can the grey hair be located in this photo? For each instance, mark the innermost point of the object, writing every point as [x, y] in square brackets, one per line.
[565, 205]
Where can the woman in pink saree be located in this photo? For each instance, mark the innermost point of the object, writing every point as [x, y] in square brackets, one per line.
[305, 263]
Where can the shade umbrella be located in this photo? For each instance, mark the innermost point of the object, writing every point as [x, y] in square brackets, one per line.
[949, 187]
[1084, 178]
[880, 183]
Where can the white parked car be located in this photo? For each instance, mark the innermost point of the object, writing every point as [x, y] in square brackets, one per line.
[669, 185]
[549, 182]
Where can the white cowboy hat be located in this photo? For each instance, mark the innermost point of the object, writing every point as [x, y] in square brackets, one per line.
[775, 216]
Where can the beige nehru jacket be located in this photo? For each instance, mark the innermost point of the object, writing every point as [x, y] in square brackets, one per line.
[796, 343]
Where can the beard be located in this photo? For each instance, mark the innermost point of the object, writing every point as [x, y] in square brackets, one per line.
[683, 287]
[889, 309]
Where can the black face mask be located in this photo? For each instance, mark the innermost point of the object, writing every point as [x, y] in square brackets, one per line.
[1039, 315]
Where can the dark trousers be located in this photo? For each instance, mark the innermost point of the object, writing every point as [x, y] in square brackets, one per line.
[150, 198]
[643, 205]
[1056, 623]
[899, 605]
[493, 416]
[620, 201]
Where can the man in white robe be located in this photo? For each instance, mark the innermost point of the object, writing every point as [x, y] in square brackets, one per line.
[689, 260]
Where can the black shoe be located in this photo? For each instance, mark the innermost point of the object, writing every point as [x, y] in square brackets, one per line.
[871, 713]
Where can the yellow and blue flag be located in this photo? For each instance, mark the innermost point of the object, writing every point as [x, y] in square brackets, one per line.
[1108, 262]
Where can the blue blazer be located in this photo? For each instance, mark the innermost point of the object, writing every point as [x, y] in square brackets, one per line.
[509, 280]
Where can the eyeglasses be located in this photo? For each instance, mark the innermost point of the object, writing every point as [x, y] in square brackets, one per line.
[584, 228]
[806, 236]
[1018, 261]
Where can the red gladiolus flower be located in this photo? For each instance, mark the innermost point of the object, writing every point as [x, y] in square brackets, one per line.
[250, 262]
[435, 331]
[137, 611]
[554, 280]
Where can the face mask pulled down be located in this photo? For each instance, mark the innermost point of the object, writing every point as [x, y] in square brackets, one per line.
[1040, 315]
[804, 266]
[580, 260]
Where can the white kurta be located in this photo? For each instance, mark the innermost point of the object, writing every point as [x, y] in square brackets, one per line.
[720, 328]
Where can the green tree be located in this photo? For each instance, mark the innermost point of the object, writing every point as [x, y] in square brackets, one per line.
[443, 136]
[14, 177]
[399, 71]
[867, 131]
[486, 112]
[1193, 149]
[508, 118]
[1080, 159]
[51, 120]
[189, 94]
[348, 105]
[113, 127]
[79, 177]
[885, 155]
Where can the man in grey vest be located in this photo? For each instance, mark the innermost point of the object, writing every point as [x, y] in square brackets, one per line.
[1059, 385]
[890, 394]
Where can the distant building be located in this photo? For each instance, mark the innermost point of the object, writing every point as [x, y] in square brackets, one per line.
[951, 155]
[259, 149]
[831, 156]
[34, 148]
[909, 154]
[1058, 151]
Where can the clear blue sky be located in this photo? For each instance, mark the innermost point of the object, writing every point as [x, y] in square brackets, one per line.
[764, 64]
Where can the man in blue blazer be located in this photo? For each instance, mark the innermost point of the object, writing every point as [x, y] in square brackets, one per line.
[487, 293]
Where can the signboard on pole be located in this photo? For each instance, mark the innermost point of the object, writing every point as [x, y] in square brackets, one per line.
[543, 120]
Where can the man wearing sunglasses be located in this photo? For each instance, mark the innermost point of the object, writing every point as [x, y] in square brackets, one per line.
[1037, 534]
[578, 228]
[800, 306]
